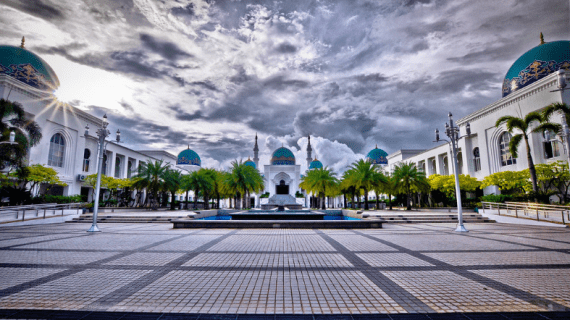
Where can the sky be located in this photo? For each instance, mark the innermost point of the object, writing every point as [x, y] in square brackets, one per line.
[212, 74]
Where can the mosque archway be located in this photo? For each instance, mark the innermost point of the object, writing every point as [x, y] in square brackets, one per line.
[282, 188]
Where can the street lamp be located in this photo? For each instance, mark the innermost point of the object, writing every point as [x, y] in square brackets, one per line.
[452, 132]
[12, 139]
[102, 133]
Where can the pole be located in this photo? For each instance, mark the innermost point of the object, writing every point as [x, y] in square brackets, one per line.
[460, 226]
[102, 135]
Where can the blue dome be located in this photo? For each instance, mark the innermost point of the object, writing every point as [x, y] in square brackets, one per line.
[315, 164]
[27, 67]
[283, 156]
[377, 156]
[536, 64]
[250, 163]
[189, 157]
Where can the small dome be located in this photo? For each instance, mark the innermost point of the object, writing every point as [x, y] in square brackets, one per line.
[250, 163]
[315, 164]
[189, 157]
[536, 64]
[283, 156]
[28, 68]
[377, 156]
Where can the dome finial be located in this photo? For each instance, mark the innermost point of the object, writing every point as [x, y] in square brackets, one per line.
[376, 146]
[23, 42]
[188, 146]
[542, 39]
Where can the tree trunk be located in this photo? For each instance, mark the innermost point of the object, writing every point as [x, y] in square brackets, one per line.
[390, 200]
[377, 202]
[323, 205]
[187, 199]
[206, 201]
[196, 198]
[409, 199]
[365, 199]
[172, 202]
[344, 198]
[531, 169]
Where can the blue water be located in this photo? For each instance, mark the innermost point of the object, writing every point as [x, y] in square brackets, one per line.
[326, 217]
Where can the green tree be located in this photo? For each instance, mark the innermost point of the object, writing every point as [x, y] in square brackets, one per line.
[408, 178]
[151, 176]
[245, 179]
[521, 128]
[446, 183]
[321, 181]
[28, 133]
[202, 183]
[366, 176]
[172, 183]
[39, 174]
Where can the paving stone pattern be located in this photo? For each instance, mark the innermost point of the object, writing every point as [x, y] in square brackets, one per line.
[399, 271]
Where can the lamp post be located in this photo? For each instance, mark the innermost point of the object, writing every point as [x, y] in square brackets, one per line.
[102, 133]
[452, 132]
[12, 139]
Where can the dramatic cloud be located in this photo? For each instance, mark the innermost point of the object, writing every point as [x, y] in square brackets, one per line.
[212, 74]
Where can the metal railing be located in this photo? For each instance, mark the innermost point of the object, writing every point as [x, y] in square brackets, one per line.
[34, 211]
[528, 210]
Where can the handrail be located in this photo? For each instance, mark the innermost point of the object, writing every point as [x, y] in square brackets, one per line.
[549, 212]
[54, 207]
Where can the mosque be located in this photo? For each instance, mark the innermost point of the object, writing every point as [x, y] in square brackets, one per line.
[529, 85]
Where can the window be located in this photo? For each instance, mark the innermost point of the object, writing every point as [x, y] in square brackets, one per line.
[104, 169]
[476, 159]
[117, 167]
[445, 166]
[56, 150]
[551, 145]
[129, 169]
[506, 156]
[86, 156]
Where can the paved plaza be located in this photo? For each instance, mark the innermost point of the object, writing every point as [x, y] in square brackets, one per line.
[401, 271]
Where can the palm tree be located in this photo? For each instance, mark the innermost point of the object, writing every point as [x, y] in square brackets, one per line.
[523, 125]
[407, 178]
[172, 182]
[365, 175]
[151, 176]
[201, 182]
[28, 133]
[557, 106]
[245, 179]
[321, 181]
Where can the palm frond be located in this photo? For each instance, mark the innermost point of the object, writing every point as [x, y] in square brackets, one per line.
[533, 116]
[514, 144]
[554, 107]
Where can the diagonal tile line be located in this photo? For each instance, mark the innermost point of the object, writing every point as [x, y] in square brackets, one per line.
[131, 288]
[499, 286]
[78, 268]
[43, 241]
[402, 297]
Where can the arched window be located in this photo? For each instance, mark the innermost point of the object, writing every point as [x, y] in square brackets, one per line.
[117, 167]
[104, 169]
[506, 156]
[56, 150]
[459, 162]
[129, 169]
[476, 159]
[445, 166]
[86, 159]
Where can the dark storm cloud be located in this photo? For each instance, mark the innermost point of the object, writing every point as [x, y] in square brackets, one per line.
[184, 11]
[185, 116]
[374, 77]
[38, 8]
[205, 84]
[280, 82]
[453, 81]
[166, 49]
[286, 48]
[410, 3]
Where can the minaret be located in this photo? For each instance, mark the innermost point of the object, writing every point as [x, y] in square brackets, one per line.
[256, 153]
[309, 150]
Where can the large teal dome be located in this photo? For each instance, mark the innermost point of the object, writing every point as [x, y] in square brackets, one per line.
[28, 68]
[283, 156]
[189, 157]
[315, 164]
[536, 64]
[377, 156]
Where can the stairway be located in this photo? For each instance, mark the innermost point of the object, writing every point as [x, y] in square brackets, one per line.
[427, 218]
[88, 218]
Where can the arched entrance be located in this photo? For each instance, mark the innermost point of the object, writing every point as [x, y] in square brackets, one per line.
[282, 188]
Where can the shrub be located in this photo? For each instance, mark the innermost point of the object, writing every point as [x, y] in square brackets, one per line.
[499, 198]
[58, 199]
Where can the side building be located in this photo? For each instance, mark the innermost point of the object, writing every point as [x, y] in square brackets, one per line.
[529, 85]
[27, 79]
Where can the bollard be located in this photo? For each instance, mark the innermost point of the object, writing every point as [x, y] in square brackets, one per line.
[499, 208]
[517, 212]
[563, 216]
[537, 218]
[23, 214]
[44, 212]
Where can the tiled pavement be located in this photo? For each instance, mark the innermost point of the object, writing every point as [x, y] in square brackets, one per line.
[140, 271]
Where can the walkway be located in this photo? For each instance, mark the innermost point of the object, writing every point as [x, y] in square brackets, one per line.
[421, 269]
